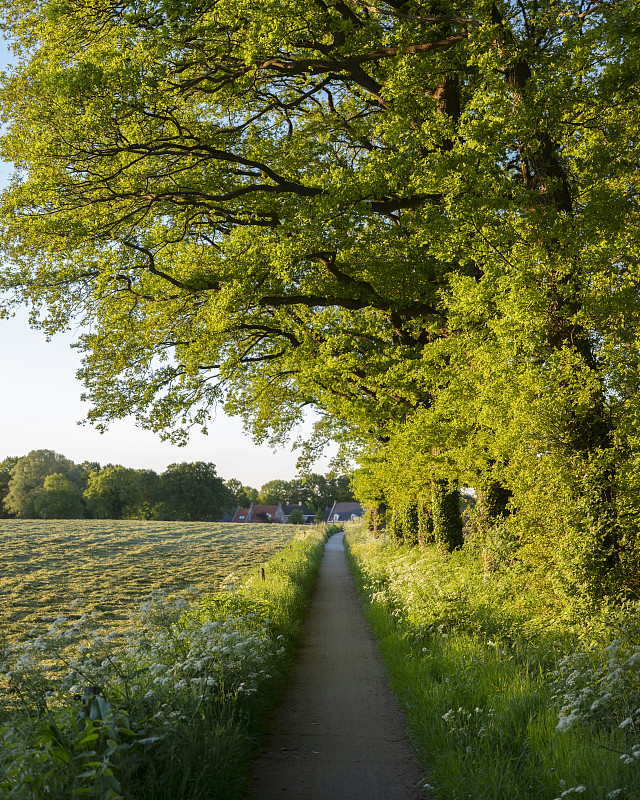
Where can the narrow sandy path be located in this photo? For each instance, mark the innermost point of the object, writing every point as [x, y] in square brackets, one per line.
[339, 733]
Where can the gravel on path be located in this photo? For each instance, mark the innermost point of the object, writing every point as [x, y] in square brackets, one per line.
[339, 733]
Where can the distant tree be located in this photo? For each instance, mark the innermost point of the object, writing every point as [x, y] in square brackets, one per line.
[28, 476]
[86, 468]
[341, 487]
[278, 491]
[243, 496]
[234, 486]
[296, 517]
[149, 493]
[314, 490]
[114, 492]
[247, 496]
[193, 492]
[6, 467]
[320, 491]
[60, 499]
[317, 493]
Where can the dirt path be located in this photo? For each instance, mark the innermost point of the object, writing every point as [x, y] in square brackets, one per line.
[339, 733]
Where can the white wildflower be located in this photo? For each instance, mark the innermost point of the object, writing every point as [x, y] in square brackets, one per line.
[567, 722]
[633, 660]
[574, 790]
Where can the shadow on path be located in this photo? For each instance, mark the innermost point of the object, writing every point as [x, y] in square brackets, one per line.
[339, 733]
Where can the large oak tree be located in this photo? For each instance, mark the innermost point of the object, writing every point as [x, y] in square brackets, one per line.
[420, 219]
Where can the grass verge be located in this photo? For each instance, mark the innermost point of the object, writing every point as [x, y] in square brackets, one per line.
[506, 695]
[169, 708]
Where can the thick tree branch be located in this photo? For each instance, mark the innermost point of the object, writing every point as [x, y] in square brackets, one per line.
[415, 17]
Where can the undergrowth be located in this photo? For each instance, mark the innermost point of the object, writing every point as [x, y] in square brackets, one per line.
[168, 708]
[509, 691]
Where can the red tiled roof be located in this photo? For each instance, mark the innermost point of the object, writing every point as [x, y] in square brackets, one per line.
[263, 513]
[265, 510]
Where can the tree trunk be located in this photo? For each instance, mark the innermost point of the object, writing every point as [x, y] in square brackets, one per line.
[491, 508]
[410, 525]
[447, 520]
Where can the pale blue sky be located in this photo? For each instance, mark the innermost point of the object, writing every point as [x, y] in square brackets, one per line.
[40, 407]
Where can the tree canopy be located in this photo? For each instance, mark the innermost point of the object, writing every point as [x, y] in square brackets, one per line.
[419, 219]
[60, 499]
[193, 492]
[28, 478]
[44, 484]
[243, 496]
[114, 492]
[6, 466]
[314, 490]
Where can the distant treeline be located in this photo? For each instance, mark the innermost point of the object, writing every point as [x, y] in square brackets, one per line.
[46, 485]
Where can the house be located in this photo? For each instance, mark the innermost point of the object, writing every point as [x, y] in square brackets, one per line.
[240, 515]
[345, 512]
[259, 514]
[265, 514]
[309, 516]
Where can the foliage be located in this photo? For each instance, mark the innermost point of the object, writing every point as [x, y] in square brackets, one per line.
[313, 490]
[114, 492]
[243, 496]
[321, 491]
[169, 707]
[422, 225]
[511, 688]
[60, 499]
[296, 517]
[28, 478]
[186, 491]
[278, 491]
[193, 492]
[6, 467]
[149, 482]
[447, 522]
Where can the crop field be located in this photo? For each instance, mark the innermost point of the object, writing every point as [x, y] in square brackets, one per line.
[113, 564]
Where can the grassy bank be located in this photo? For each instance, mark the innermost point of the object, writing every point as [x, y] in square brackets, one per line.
[168, 708]
[509, 691]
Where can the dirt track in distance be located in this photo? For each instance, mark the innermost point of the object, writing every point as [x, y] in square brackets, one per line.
[339, 733]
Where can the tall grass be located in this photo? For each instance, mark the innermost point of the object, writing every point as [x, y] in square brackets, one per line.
[508, 693]
[169, 708]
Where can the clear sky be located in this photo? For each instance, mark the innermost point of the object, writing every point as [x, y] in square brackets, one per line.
[40, 407]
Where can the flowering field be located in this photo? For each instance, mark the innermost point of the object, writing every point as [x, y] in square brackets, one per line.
[167, 706]
[113, 564]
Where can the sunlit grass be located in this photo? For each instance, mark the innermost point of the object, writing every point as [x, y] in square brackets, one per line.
[506, 696]
[165, 707]
[113, 564]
